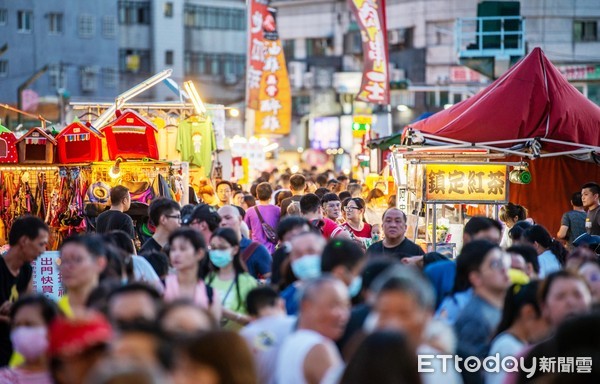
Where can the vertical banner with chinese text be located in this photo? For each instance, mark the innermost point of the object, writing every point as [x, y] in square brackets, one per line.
[268, 93]
[370, 16]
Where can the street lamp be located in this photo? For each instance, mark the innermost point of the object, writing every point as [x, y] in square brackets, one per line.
[130, 94]
[196, 100]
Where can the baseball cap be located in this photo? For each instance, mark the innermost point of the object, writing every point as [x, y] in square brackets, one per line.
[203, 212]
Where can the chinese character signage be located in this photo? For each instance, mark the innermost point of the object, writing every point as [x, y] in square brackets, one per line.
[46, 276]
[466, 183]
[267, 79]
[370, 16]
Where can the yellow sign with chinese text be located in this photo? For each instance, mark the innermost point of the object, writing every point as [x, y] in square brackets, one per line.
[477, 183]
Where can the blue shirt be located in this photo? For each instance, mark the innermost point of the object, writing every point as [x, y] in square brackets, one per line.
[452, 306]
[548, 263]
[259, 263]
[292, 302]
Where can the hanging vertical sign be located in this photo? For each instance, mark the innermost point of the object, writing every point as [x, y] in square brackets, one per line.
[268, 92]
[370, 16]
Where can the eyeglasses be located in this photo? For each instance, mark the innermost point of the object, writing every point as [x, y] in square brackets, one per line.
[224, 191]
[178, 217]
[498, 264]
[349, 208]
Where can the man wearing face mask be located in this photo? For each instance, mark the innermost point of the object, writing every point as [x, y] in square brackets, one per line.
[305, 263]
[344, 260]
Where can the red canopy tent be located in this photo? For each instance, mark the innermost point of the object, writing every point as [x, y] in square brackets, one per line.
[532, 106]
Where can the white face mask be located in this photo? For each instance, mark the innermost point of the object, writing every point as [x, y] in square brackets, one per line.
[307, 267]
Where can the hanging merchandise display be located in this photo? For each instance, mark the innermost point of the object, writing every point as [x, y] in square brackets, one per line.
[8, 146]
[78, 143]
[196, 142]
[36, 147]
[130, 136]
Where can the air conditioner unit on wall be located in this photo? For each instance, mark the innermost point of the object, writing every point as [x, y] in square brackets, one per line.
[230, 78]
[88, 79]
[396, 36]
[308, 80]
[296, 73]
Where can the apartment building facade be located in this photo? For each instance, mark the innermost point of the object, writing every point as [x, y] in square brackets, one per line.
[57, 48]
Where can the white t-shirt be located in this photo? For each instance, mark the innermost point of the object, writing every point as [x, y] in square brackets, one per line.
[265, 337]
[438, 375]
[293, 352]
[505, 345]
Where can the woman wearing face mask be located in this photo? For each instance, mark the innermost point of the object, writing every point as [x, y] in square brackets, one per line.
[30, 317]
[187, 252]
[226, 274]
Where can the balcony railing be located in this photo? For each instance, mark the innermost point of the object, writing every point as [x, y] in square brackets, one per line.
[490, 36]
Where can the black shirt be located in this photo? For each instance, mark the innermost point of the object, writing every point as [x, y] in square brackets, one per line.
[149, 246]
[111, 220]
[11, 288]
[405, 249]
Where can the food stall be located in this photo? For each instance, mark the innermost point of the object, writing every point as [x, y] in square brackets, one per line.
[440, 189]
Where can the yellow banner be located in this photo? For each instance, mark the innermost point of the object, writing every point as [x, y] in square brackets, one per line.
[274, 113]
[466, 183]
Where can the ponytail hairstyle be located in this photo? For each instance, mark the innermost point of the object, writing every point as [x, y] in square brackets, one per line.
[510, 211]
[539, 234]
[517, 297]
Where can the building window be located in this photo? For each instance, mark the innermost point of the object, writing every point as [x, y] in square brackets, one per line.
[318, 47]
[134, 60]
[3, 68]
[168, 9]
[134, 12]
[288, 49]
[204, 17]
[109, 77]
[585, 30]
[169, 58]
[196, 63]
[88, 79]
[3, 16]
[109, 26]
[55, 23]
[86, 26]
[24, 21]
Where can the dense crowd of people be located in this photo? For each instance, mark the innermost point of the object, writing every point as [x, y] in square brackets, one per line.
[303, 279]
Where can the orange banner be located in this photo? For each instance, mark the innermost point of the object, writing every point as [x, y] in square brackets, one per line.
[269, 92]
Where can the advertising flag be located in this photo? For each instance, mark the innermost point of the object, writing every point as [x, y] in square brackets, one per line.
[268, 86]
[370, 16]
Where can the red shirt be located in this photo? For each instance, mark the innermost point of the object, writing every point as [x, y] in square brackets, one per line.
[365, 233]
[330, 229]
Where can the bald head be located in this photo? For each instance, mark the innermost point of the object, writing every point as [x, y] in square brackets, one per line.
[231, 218]
[315, 287]
[325, 307]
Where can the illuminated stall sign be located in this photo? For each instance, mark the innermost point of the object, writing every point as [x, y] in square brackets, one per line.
[473, 183]
[370, 16]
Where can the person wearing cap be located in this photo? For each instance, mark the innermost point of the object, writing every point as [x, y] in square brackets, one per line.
[204, 219]
[165, 215]
[255, 255]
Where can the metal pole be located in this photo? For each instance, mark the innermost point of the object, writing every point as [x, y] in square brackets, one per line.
[434, 229]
